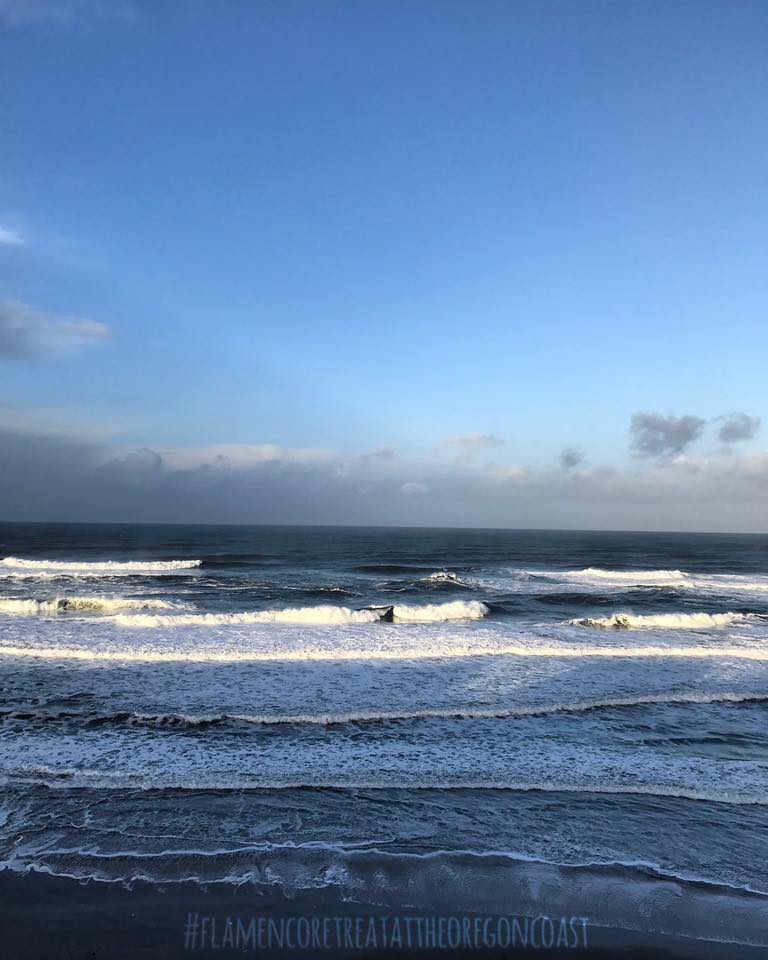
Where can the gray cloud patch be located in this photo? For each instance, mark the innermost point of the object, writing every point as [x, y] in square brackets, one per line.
[571, 457]
[654, 435]
[738, 426]
[26, 332]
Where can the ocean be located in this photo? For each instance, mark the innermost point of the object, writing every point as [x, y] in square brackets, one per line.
[527, 722]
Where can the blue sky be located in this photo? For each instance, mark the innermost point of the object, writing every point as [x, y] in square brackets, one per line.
[345, 226]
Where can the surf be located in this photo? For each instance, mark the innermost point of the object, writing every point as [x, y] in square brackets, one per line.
[632, 576]
[57, 605]
[96, 568]
[664, 621]
[423, 651]
[319, 615]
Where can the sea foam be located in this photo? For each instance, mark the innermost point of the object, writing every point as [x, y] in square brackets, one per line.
[425, 650]
[663, 621]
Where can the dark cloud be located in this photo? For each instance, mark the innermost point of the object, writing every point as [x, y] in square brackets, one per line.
[738, 426]
[26, 332]
[571, 457]
[654, 435]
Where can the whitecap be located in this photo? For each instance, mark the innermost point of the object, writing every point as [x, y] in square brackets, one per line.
[663, 621]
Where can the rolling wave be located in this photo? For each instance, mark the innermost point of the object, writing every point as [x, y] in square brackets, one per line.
[54, 605]
[325, 614]
[426, 613]
[152, 765]
[632, 576]
[664, 621]
[438, 612]
[96, 568]
[444, 578]
[32, 714]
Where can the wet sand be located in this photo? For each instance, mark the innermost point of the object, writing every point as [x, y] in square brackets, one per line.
[46, 917]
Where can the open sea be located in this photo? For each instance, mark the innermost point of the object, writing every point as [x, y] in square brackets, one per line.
[562, 722]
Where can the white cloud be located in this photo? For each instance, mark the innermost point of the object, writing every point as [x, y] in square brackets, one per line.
[26, 332]
[411, 489]
[10, 238]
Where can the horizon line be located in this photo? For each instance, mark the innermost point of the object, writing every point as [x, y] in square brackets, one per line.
[383, 526]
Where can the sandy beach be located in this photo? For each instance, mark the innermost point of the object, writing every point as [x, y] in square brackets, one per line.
[46, 917]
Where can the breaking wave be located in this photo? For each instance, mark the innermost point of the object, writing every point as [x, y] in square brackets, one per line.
[444, 577]
[54, 605]
[663, 621]
[633, 576]
[427, 613]
[437, 612]
[325, 614]
[98, 568]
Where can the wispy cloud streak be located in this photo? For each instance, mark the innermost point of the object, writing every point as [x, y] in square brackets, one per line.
[26, 332]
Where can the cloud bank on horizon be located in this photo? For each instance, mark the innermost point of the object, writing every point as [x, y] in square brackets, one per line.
[65, 475]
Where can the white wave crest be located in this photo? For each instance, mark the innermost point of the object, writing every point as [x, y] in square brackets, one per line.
[427, 613]
[96, 568]
[422, 651]
[438, 612]
[733, 583]
[298, 615]
[663, 621]
[631, 576]
[460, 712]
[55, 605]
[444, 576]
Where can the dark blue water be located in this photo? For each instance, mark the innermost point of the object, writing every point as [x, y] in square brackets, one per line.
[462, 714]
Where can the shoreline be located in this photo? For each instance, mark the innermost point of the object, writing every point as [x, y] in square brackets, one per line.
[51, 916]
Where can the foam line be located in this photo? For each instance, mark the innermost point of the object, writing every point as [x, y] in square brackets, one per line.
[423, 652]
[96, 567]
[664, 621]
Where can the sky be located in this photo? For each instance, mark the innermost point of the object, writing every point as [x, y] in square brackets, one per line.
[469, 263]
